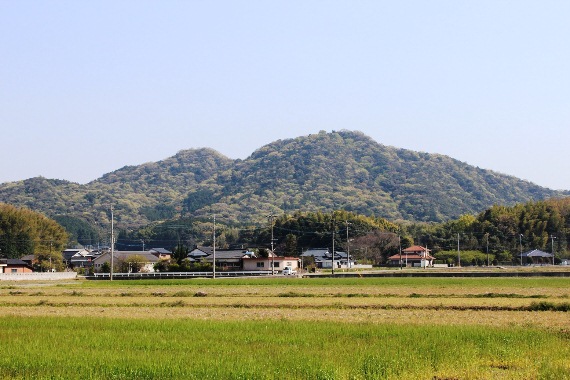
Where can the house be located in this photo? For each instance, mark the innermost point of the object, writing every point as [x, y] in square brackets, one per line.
[229, 259]
[416, 256]
[161, 253]
[199, 253]
[121, 258]
[252, 263]
[82, 259]
[69, 253]
[30, 260]
[14, 266]
[323, 258]
[536, 256]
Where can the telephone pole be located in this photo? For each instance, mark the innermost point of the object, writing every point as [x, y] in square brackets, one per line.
[458, 251]
[333, 227]
[487, 235]
[112, 244]
[552, 237]
[271, 217]
[347, 247]
[520, 243]
[214, 263]
[400, 249]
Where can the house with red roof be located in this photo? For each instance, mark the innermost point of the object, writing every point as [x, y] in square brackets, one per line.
[415, 256]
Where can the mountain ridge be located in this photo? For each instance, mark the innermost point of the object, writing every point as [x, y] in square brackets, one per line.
[319, 172]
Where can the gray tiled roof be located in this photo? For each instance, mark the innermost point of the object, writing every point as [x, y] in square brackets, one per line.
[536, 253]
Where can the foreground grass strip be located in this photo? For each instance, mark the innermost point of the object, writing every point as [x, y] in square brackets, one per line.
[470, 283]
[534, 306]
[47, 347]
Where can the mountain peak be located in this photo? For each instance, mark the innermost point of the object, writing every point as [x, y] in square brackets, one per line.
[318, 172]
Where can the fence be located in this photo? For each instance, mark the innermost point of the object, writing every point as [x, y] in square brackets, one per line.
[157, 275]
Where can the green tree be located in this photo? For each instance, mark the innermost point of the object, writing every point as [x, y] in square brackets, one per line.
[180, 253]
[291, 245]
[23, 232]
[133, 263]
[105, 268]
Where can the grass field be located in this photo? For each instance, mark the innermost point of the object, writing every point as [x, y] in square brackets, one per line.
[282, 328]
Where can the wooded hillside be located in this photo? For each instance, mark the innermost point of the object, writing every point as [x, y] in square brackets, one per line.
[321, 172]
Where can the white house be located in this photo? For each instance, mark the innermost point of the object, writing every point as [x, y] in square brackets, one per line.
[120, 257]
[265, 263]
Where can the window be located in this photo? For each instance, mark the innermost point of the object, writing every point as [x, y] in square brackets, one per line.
[289, 264]
[276, 264]
[14, 270]
[261, 265]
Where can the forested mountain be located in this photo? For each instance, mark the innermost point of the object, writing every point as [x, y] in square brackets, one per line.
[321, 172]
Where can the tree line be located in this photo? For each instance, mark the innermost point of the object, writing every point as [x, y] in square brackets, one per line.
[24, 232]
[497, 234]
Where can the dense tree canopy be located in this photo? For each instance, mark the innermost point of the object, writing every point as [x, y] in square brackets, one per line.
[23, 232]
[320, 172]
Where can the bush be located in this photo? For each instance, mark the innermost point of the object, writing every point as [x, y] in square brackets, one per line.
[467, 257]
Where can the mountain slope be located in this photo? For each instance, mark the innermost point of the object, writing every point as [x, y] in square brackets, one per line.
[319, 172]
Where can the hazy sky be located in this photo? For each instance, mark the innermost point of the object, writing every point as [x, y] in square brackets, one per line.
[87, 87]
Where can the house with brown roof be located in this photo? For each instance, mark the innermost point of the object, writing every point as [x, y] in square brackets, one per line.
[14, 266]
[414, 256]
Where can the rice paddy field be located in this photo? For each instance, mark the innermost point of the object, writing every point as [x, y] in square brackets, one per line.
[287, 328]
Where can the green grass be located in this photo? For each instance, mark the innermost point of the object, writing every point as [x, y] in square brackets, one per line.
[514, 282]
[102, 348]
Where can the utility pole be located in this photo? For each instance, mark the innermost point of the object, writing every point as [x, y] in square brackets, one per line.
[458, 252]
[271, 217]
[487, 235]
[333, 227]
[50, 246]
[214, 263]
[112, 244]
[520, 243]
[347, 248]
[400, 249]
[552, 237]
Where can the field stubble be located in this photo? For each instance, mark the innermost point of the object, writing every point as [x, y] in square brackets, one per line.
[277, 329]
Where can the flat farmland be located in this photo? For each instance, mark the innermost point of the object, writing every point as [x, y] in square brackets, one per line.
[330, 328]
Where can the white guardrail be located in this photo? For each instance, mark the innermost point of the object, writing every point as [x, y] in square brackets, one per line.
[133, 276]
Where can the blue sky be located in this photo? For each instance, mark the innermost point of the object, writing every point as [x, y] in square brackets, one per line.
[87, 87]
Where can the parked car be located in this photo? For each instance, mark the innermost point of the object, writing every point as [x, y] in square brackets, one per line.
[289, 271]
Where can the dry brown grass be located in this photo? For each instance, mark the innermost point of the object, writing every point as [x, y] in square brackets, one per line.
[397, 304]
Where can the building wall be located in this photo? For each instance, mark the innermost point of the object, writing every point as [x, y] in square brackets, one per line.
[17, 269]
[280, 263]
[37, 276]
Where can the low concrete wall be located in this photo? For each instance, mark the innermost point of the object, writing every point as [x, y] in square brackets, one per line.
[37, 276]
[429, 273]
